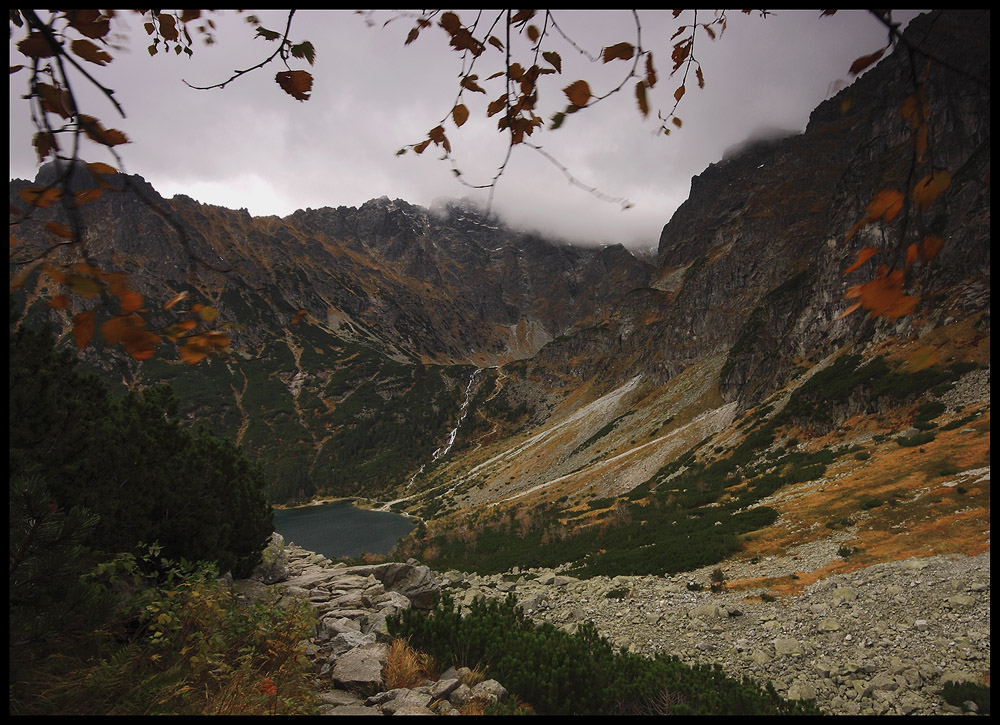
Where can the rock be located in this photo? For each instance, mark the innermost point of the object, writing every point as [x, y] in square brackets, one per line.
[273, 566]
[361, 667]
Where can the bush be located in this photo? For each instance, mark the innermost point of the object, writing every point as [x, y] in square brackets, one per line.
[178, 643]
[563, 674]
[958, 693]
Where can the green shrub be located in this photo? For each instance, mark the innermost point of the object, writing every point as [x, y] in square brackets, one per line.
[583, 673]
[958, 693]
[917, 439]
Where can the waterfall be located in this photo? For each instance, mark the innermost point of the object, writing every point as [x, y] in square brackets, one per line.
[462, 412]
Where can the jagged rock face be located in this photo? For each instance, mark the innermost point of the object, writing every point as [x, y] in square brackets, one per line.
[751, 264]
[437, 286]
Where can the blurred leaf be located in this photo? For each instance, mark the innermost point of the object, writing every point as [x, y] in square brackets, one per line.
[863, 256]
[640, 97]
[460, 114]
[930, 246]
[305, 50]
[553, 59]
[929, 188]
[83, 328]
[866, 60]
[90, 52]
[578, 93]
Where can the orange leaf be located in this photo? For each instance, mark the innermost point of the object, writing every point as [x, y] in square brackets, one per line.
[192, 355]
[130, 301]
[930, 247]
[578, 93]
[208, 313]
[296, 83]
[60, 230]
[863, 256]
[298, 317]
[911, 255]
[83, 286]
[99, 167]
[83, 328]
[929, 188]
[40, 196]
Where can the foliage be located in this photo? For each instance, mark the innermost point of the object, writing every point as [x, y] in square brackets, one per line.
[563, 674]
[958, 693]
[130, 463]
[178, 642]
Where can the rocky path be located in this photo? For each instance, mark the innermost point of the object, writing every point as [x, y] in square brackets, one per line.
[878, 641]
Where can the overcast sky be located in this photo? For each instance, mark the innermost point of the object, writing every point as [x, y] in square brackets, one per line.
[251, 145]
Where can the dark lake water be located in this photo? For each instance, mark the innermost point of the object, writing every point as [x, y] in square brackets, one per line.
[340, 529]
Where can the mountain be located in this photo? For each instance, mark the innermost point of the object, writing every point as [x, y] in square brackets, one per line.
[538, 403]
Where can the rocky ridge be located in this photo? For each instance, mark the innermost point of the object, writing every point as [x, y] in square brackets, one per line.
[877, 641]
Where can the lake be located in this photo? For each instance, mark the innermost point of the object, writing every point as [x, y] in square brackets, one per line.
[341, 529]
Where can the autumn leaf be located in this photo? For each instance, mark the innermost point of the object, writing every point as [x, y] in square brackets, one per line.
[460, 114]
[99, 167]
[208, 314]
[83, 286]
[885, 204]
[679, 93]
[553, 59]
[90, 52]
[929, 188]
[59, 302]
[298, 317]
[96, 132]
[929, 247]
[36, 46]
[640, 97]
[863, 256]
[578, 93]
[296, 83]
[866, 60]
[60, 230]
[622, 51]
[83, 328]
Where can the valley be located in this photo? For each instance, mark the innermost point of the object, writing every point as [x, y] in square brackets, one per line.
[757, 389]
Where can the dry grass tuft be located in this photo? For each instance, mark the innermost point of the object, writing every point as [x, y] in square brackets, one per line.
[405, 667]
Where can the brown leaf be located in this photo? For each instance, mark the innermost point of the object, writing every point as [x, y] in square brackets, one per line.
[930, 246]
[679, 93]
[96, 132]
[497, 43]
[554, 59]
[83, 328]
[296, 83]
[36, 46]
[90, 52]
[578, 93]
[533, 34]
[640, 97]
[650, 71]
[866, 60]
[863, 256]
[90, 23]
[460, 114]
[622, 51]
[60, 230]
